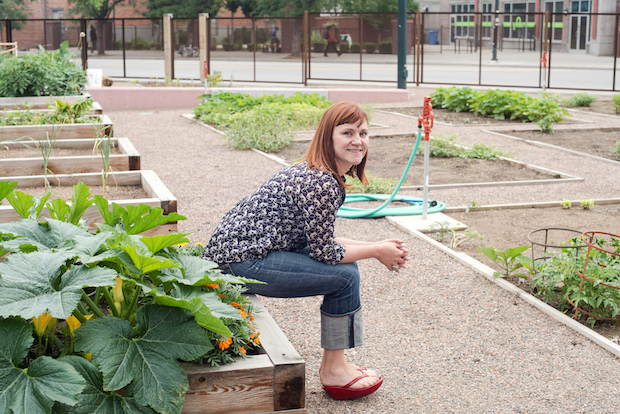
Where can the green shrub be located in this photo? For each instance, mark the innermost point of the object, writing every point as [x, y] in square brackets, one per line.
[385, 47]
[41, 74]
[617, 150]
[370, 47]
[265, 128]
[376, 185]
[344, 47]
[318, 47]
[501, 104]
[615, 103]
[581, 99]
[355, 48]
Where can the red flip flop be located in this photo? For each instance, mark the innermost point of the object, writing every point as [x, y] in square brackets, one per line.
[346, 392]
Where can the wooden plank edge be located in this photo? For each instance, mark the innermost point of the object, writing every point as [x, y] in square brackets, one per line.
[487, 272]
[116, 177]
[542, 204]
[155, 187]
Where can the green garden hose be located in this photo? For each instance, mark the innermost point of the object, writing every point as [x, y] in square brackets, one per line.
[415, 207]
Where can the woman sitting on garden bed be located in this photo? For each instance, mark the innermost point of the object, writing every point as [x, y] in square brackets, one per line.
[283, 235]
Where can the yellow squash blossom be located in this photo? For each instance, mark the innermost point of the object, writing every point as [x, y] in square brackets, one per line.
[41, 323]
[73, 323]
[118, 291]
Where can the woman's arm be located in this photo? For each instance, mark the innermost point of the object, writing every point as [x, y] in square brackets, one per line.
[391, 253]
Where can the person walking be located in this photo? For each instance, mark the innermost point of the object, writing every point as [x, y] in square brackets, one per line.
[332, 41]
[283, 235]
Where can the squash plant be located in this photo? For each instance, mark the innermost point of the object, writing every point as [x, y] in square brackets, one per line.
[97, 322]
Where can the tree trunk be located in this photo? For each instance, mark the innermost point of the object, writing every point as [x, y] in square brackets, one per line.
[100, 37]
[297, 40]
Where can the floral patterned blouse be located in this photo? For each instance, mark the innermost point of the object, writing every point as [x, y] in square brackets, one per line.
[293, 209]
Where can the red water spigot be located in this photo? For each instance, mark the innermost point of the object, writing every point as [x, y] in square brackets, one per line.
[427, 119]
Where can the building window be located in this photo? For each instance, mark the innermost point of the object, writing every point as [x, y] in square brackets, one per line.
[463, 20]
[556, 19]
[487, 20]
[519, 20]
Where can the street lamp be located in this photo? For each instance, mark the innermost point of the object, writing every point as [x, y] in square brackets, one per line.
[495, 31]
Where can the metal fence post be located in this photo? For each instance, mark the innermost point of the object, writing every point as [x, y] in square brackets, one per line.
[203, 45]
[84, 43]
[168, 47]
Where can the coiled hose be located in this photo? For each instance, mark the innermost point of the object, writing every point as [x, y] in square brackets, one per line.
[415, 207]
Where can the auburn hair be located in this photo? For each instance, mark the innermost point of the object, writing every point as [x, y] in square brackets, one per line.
[320, 154]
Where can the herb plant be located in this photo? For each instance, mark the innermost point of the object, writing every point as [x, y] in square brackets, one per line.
[566, 204]
[615, 103]
[97, 322]
[586, 204]
[581, 99]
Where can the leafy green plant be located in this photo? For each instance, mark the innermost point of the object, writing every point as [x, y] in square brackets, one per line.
[566, 204]
[586, 204]
[103, 144]
[376, 185]
[473, 205]
[41, 74]
[510, 260]
[46, 147]
[617, 149]
[112, 312]
[557, 278]
[580, 99]
[441, 228]
[499, 104]
[214, 80]
[460, 238]
[61, 113]
[264, 128]
[615, 103]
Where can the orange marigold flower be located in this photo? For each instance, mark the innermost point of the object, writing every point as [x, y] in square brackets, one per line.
[242, 313]
[212, 285]
[225, 343]
[235, 304]
[242, 350]
[221, 295]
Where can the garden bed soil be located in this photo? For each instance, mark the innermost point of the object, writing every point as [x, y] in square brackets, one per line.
[388, 157]
[507, 228]
[112, 192]
[596, 141]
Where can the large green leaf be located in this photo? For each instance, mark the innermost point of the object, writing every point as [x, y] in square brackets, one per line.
[52, 235]
[198, 272]
[27, 206]
[135, 219]
[34, 283]
[161, 241]
[35, 389]
[146, 263]
[94, 399]
[147, 361]
[6, 187]
[60, 210]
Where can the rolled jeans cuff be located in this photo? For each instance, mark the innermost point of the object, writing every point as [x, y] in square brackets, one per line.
[342, 332]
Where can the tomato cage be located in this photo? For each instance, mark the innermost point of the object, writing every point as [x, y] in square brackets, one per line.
[546, 240]
[592, 238]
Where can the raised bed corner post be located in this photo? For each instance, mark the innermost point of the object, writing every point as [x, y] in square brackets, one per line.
[204, 43]
[168, 47]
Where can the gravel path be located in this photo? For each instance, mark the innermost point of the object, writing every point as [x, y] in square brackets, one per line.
[446, 339]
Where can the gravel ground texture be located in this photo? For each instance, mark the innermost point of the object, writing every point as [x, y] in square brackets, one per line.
[446, 339]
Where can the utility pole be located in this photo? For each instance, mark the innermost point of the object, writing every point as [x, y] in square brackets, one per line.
[495, 31]
[402, 45]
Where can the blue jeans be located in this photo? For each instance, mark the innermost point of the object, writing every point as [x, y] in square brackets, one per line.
[295, 274]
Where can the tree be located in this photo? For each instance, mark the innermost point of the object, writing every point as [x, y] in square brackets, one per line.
[11, 9]
[288, 8]
[378, 21]
[96, 9]
[182, 9]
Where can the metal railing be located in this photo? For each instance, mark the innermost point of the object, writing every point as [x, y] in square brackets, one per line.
[442, 48]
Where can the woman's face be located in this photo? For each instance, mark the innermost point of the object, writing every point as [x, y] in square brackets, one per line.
[350, 145]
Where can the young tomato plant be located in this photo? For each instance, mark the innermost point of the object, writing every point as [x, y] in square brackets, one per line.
[510, 260]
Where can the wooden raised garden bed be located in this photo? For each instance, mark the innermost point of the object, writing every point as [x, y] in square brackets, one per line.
[155, 193]
[43, 102]
[125, 158]
[58, 131]
[272, 381]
